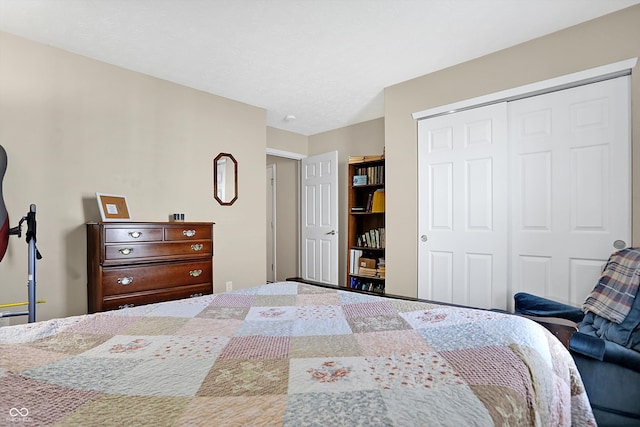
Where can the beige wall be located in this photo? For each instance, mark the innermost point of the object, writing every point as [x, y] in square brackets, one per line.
[72, 126]
[289, 142]
[366, 138]
[599, 42]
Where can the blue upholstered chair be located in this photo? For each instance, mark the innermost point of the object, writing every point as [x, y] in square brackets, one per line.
[607, 355]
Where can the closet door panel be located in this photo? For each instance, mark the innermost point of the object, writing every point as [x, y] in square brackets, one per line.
[570, 186]
[463, 206]
[534, 191]
[590, 184]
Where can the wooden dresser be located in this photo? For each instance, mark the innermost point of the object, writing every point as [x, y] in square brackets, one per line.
[134, 263]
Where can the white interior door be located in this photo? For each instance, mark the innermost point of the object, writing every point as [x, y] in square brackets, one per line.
[570, 158]
[462, 256]
[320, 218]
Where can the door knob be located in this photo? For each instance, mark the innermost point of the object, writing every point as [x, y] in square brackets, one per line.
[619, 244]
[332, 232]
[423, 238]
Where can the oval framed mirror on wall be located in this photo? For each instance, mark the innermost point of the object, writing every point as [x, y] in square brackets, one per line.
[225, 179]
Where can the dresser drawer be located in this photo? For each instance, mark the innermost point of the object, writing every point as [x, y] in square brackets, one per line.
[157, 250]
[153, 296]
[122, 280]
[187, 232]
[133, 234]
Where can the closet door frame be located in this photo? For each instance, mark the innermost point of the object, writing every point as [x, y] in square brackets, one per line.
[618, 69]
[609, 71]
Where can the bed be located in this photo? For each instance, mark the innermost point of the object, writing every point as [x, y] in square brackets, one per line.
[289, 354]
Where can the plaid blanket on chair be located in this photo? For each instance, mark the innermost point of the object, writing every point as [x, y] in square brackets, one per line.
[617, 287]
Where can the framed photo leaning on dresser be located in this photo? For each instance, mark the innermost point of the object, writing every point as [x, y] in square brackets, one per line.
[113, 207]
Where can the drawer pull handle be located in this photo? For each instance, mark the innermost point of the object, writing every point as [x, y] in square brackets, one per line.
[135, 234]
[125, 251]
[195, 295]
[195, 273]
[197, 247]
[189, 233]
[125, 306]
[125, 280]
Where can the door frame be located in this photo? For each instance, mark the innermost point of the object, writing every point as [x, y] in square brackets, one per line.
[273, 225]
[592, 75]
[298, 157]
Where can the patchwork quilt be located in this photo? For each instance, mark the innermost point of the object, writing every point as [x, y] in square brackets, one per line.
[289, 354]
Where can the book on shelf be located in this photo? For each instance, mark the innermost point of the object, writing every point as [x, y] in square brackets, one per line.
[360, 180]
[365, 271]
[374, 238]
[369, 202]
[373, 175]
[365, 266]
[367, 240]
[354, 266]
[366, 285]
[377, 204]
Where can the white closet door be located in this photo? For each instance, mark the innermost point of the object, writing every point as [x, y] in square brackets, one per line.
[462, 256]
[570, 187]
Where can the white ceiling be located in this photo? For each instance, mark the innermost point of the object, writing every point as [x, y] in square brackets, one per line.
[326, 62]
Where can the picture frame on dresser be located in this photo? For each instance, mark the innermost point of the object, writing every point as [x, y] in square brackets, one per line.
[113, 207]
